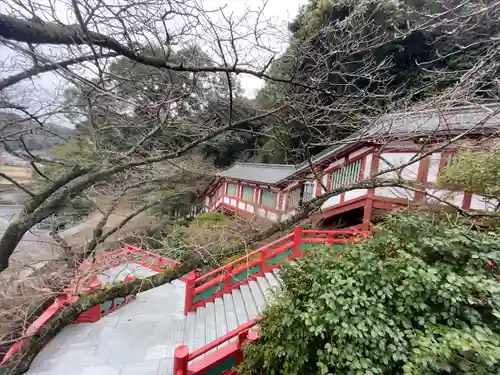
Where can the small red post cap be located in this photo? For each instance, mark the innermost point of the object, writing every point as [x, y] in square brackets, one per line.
[182, 351]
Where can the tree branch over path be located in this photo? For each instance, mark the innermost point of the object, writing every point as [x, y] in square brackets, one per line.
[32, 31]
[78, 179]
[12, 80]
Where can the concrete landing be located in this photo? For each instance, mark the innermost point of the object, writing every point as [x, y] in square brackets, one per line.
[138, 339]
[118, 273]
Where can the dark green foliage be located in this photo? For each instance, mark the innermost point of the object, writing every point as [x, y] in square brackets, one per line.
[371, 56]
[420, 298]
[477, 171]
[184, 105]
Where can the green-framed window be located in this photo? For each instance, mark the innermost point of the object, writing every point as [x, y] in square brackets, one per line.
[268, 199]
[231, 189]
[247, 193]
[293, 198]
[346, 175]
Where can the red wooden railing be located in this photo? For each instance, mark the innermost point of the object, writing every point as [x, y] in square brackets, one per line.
[206, 288]
[225, 358]
[229, 354]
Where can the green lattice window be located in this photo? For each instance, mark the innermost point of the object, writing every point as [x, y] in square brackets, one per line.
[247, 194]
[268, 199]
[346, 175]
[293, 198]
[231, 190]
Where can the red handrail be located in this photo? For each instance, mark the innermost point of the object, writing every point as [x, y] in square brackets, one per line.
[182, 357]
[239, 260]
[223, 279]
[228, 336]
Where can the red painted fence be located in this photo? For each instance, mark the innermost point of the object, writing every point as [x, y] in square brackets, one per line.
[224, 360]
[203, 289]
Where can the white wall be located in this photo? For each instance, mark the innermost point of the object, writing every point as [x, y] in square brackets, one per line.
[272, 216]
[479, 202]
[336, 163]
[454, 197]
[433, 171]
[359, 152]
[332, 201]
[368, 166]
[353, 194]
[397, 159]
[394, 192]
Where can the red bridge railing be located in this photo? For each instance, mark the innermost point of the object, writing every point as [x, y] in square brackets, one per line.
[224, 359]
[206, 288]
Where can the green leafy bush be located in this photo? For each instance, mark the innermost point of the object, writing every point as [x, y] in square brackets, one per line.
[420, 298]
[476, 171]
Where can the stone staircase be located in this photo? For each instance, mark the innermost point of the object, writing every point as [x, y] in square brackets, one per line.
[194, 325]
[230, 311]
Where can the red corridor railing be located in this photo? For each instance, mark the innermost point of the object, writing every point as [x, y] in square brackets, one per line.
[206, 288]
[225, 358]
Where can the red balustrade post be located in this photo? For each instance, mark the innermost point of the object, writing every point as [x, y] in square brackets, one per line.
[190, 285]
[242, 338]
[263, 261]
[181, 355]
[297, 241]
[331, 238]
[227, 279]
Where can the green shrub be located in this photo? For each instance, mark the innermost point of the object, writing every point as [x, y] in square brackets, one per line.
[420, 298]
[210, 219]
[477, 171]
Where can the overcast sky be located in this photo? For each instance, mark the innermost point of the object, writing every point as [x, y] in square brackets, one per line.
[50, 86]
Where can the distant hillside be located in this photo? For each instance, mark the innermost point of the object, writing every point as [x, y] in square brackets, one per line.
[35, 137]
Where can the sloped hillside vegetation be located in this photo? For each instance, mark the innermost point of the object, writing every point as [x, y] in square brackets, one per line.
[422, 297]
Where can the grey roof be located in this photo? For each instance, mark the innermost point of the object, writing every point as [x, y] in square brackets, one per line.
[444, 121]
[475, 118]
[258, 172]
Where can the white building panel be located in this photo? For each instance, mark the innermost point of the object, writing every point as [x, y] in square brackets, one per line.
[207, 201]
[479, 202]
[332, 201]
[368, 166]
[394, 192]
[391, 160]
[261, 212]
[337, 163]
[362, 150]
[453, 197]
[272, 216]
[227, 200]
[353, 194]
[433, 172]
[250, 208]
[325, 181]
[241, 205]
[232, 202]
